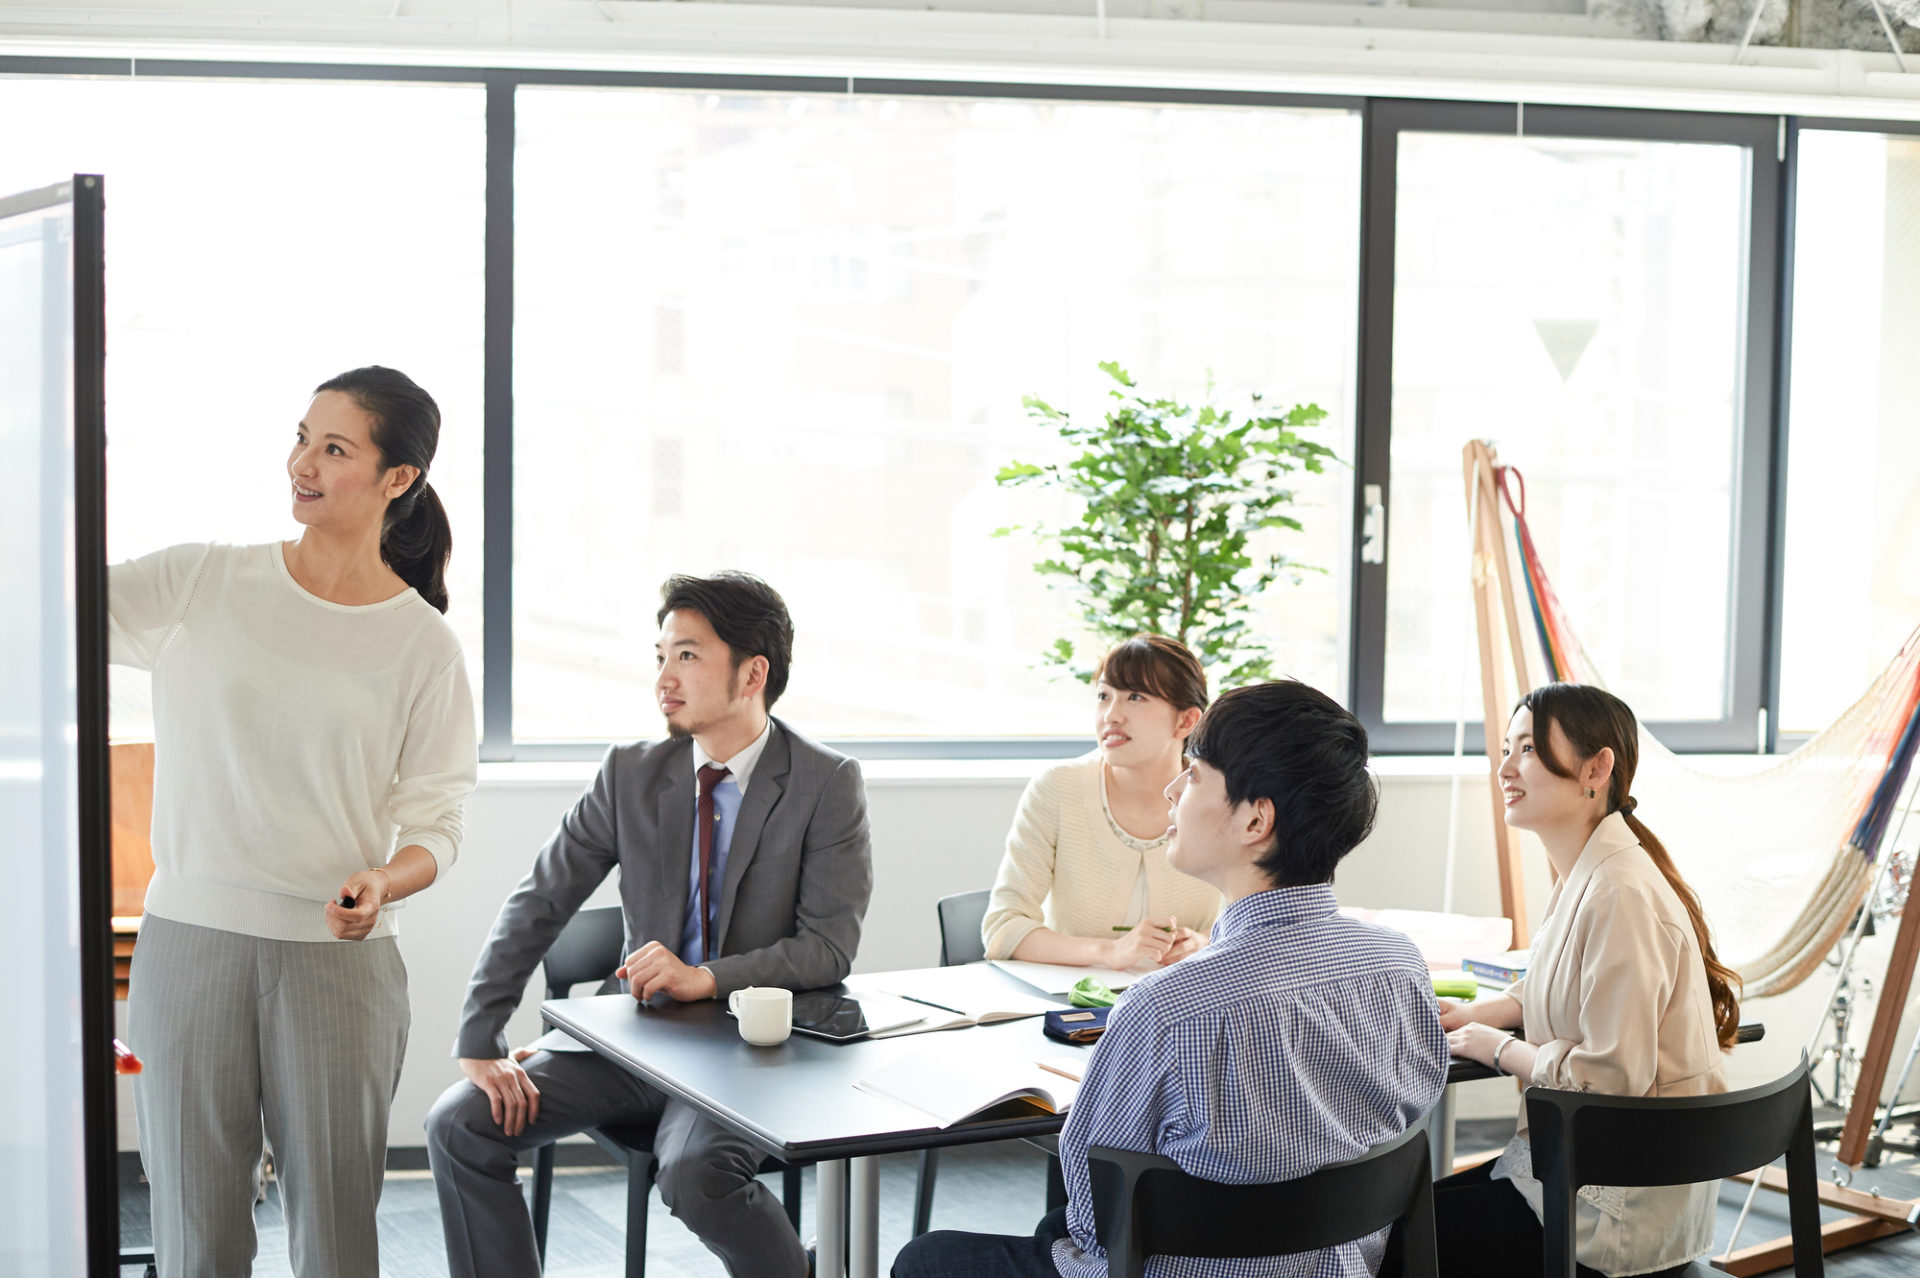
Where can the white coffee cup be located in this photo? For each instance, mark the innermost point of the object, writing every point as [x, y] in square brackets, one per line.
[766, 1015]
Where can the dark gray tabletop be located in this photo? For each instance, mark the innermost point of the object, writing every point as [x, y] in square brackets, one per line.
[797, 1100]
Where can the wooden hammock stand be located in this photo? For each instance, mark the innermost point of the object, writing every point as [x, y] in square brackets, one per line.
[1496, 607]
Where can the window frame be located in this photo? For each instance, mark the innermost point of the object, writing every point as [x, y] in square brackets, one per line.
[1792, 126]
[497, 741]
[1759, 490]
[1752, 620]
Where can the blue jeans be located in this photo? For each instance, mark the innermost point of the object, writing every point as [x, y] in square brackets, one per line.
[950, 1253]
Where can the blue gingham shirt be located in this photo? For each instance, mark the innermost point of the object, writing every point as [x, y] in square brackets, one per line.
[1297, 1038]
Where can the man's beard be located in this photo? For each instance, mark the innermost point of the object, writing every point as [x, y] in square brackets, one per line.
[677, 733]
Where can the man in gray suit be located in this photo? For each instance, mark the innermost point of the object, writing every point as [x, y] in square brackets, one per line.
[773, 894]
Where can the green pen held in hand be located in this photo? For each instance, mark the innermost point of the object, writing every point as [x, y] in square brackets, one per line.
[1128, 927]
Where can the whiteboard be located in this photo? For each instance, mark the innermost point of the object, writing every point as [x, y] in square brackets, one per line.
[43, 1145]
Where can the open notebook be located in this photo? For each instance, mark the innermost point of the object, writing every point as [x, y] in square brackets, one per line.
[951, 997]
[1057, 978]
[948, 1086]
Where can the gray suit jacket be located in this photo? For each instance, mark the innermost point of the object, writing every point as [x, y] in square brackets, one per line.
[799, 872]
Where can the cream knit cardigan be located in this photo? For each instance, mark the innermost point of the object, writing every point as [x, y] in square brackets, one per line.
[1066, 869]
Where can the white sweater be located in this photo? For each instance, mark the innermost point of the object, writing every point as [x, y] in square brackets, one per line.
[296, 740]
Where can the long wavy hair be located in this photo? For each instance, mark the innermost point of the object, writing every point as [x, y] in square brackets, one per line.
[1593, 718]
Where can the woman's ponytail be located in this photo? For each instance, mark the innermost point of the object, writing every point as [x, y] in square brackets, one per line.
[1723, 983]
[416, 539]
[417, 542]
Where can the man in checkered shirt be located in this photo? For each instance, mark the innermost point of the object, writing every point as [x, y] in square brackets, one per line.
[1296, 1038]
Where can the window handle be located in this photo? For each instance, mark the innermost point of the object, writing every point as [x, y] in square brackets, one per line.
[1373, 526]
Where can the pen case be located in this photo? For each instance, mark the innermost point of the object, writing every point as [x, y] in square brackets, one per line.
[1080, 1025]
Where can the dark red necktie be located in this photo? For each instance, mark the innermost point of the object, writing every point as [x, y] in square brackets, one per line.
[709, 820]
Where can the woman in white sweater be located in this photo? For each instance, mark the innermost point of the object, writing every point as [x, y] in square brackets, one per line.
[1087, 854]
[314, 745]
[1625, 996]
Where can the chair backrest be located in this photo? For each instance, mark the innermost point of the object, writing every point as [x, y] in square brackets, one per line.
[1584, 1138]
[588, 948]
[960, 918]
[1145, 1205]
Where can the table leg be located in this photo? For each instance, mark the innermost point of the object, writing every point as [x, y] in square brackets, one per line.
[1440, 1135]
[830, 1218]
[863, 1236]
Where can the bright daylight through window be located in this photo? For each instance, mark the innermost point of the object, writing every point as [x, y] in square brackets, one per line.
[1852, 573]
[791, 335]
[347, 219]
[1582, 303]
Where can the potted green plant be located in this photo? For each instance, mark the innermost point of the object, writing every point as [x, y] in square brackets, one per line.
[1172, 496]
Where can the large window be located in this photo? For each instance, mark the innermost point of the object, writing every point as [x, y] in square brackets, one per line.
[262, 237]
[1851, 590]
[1581, 294]
[694, 322]
[790, 334]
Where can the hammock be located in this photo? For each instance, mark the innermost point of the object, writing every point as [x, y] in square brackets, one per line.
[1781, 858]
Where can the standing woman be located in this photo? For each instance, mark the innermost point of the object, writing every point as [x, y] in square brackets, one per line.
[1624, 996]
[314, 745]
[1087, 855]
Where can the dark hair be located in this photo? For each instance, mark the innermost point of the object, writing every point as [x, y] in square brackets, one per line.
[1298, 748]
[416, 540]
[1158, 666]
[749, 616]
[1594, 719]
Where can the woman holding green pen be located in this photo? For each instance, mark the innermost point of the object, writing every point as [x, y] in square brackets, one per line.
[1085, 879]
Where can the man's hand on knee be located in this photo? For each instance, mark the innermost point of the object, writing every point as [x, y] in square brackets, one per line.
[514, 1099]
[653, 969]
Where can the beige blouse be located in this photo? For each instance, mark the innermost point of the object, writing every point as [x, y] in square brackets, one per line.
[1067, 867]
[1616, 1001]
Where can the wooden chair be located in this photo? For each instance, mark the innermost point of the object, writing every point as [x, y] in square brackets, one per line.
[1583, 1138]
[130, 770]
[588, 949]
[1145, 1205]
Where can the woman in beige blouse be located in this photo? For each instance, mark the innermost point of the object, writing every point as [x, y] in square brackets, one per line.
[1624, 996]
[1087, 854]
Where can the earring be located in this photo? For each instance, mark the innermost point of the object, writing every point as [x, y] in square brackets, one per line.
[1591, 794]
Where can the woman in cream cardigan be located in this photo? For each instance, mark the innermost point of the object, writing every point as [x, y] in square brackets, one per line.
[1625, 996]
[1086, 856]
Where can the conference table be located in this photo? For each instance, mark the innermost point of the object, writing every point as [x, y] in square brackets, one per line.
[797, 1101]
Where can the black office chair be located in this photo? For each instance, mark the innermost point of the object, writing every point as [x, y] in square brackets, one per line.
[588, 949]
[961, 915]
[1144, 1205]
[1582, 1138]
[961, 941]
